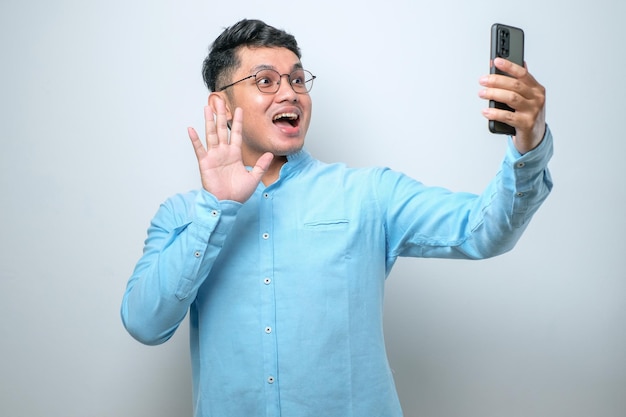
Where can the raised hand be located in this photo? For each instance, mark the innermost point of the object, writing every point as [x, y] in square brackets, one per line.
[222, 170]
[524, 94]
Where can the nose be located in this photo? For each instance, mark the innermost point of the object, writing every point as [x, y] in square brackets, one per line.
[285, 90]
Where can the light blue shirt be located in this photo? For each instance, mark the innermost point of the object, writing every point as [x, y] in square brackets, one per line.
[285, 292]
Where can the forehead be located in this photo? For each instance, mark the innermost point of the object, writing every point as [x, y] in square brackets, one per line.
[254, 59]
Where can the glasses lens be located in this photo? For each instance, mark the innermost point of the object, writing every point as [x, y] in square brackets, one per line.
[267, 80]
[301, 81]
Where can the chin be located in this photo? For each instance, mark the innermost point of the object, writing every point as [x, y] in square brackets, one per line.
[289, 150]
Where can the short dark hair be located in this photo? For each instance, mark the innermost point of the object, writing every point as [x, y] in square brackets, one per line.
[222, 59]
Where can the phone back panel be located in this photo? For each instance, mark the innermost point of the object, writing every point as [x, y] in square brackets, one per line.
[506, 42]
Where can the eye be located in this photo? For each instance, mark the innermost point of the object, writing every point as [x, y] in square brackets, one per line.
[297, 78]
[264, 81]
[267, 80]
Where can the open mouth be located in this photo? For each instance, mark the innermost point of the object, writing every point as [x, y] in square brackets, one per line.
[286, 119]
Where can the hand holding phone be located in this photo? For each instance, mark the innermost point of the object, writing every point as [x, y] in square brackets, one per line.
[506, 42]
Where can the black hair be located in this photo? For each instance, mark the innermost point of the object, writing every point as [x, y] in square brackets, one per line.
[222, 59]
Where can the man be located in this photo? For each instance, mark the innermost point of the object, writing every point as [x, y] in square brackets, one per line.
[281, 260]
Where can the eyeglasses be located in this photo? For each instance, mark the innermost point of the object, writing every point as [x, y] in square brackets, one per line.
[268, 81]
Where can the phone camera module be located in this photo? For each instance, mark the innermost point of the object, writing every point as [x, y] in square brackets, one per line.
[503, 42]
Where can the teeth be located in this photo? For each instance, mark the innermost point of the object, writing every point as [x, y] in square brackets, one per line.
[290, 116]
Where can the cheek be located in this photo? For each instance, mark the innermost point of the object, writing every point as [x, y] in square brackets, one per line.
[309, 111]
[253, 119]
[253, 105]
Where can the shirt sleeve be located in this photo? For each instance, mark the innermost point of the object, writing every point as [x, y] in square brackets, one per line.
[426, 221]
[184, 239]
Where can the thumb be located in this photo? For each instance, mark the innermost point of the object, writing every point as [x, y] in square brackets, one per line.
[262, 164]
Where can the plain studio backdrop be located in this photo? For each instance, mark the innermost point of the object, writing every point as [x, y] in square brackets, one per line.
[95, 100]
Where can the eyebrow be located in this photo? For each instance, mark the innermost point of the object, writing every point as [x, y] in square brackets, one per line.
[257, 68]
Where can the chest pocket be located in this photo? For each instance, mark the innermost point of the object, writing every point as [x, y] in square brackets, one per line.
[332, 239]
[331, 224]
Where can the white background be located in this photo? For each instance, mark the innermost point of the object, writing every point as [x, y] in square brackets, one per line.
[95, 100]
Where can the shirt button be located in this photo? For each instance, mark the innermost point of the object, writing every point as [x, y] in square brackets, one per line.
[266, 236]
[197, 254]
[267, 281]
[268, 330]
[214, 213]
[270, 380]
[266, 195]
[520, 194]
[521, 164]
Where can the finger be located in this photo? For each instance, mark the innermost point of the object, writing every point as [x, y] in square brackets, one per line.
[500, 115]
[209, 128]
[521, 120]
[520, 73]
[502, 84]
[221, 121]
[501, 81]
[511, 98]
[510, 67]
[195, 141]
[236, 130]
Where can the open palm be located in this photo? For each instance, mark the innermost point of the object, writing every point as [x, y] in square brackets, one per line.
[222, 170]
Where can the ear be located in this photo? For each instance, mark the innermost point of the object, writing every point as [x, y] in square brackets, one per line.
[212, 102]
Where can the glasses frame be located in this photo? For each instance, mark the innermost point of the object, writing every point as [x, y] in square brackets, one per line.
[313, 77]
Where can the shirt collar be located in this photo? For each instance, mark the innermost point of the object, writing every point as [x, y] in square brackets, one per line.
[295, 162]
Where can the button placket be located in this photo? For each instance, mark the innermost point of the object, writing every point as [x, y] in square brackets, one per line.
[268, 301]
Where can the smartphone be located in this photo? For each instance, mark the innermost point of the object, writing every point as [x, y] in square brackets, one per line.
[506, 42]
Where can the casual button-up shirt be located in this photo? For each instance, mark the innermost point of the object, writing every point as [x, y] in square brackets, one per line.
[285, 292]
